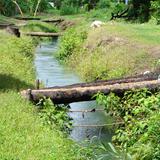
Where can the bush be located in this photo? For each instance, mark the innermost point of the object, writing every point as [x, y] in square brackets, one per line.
[155, 5]
[68, 10]
[70, 42]
[104, 4]
[139, 110]
[101, 14]
[69, 7]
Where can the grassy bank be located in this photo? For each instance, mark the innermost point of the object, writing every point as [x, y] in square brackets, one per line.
[22, 133]
[113, 50]
[120, 49]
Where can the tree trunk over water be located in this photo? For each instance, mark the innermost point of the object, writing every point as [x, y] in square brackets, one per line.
[69, 94]
[42, 34]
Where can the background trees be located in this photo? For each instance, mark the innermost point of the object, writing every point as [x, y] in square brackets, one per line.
[140, 10]
[8, 8]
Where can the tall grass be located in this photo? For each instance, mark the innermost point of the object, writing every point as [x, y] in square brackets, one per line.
[22, 133]
[113, 50]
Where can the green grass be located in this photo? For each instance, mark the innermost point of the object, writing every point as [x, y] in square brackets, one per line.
[143, 33]
[116, 49]
[4, 19]
[23, 134]
[35, 26]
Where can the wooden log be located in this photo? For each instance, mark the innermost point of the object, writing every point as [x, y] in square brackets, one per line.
[27, 18]
[76, 94]
[42, 34]
[136, 78]
[53, 20]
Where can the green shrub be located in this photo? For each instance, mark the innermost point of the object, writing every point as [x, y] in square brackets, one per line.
[139, 110]
[155, 5]
[101, 14]
[70, 42]
[104, 4]
[69, 7]
[68, 10]
[55, 115]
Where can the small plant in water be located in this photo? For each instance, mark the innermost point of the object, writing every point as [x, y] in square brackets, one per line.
[55, 115]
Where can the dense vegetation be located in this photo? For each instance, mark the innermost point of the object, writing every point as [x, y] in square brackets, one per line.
[123, 46]
[118, 48]
[140, 112]
[141, 10]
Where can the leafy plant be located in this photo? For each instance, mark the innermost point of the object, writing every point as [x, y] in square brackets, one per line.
[70, 42]
[155, 6]
[55, 115]
[139, 109]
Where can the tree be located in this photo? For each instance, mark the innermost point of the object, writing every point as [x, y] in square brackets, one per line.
[140, 9]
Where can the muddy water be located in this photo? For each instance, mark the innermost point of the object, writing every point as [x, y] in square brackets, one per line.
[52, 73]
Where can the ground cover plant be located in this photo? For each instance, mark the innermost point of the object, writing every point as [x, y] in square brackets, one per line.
[139, 110]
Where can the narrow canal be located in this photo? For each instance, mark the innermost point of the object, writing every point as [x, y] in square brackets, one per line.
[52, 73]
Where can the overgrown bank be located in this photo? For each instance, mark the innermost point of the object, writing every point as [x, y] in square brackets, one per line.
[117, 50]
[113, 50]
[23, 134]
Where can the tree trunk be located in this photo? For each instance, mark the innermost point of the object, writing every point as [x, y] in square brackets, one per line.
[69, 94]
[42, 34]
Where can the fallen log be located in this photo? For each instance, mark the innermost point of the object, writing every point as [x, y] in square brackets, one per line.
[64, 94]
[27, 18]
[136, 78]
[42, 34]
[53, 20]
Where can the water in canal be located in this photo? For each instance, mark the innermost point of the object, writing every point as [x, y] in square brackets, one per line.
[52, 73]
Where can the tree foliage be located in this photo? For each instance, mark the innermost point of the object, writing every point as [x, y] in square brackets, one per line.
[8, 8]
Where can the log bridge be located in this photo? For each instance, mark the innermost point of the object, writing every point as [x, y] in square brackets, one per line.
[42, 34]
[86, 91]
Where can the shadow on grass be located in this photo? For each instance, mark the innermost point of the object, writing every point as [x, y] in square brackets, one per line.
[8, 82]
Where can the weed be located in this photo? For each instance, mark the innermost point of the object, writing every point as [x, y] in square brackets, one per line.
[139, 110]
[55, 115]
